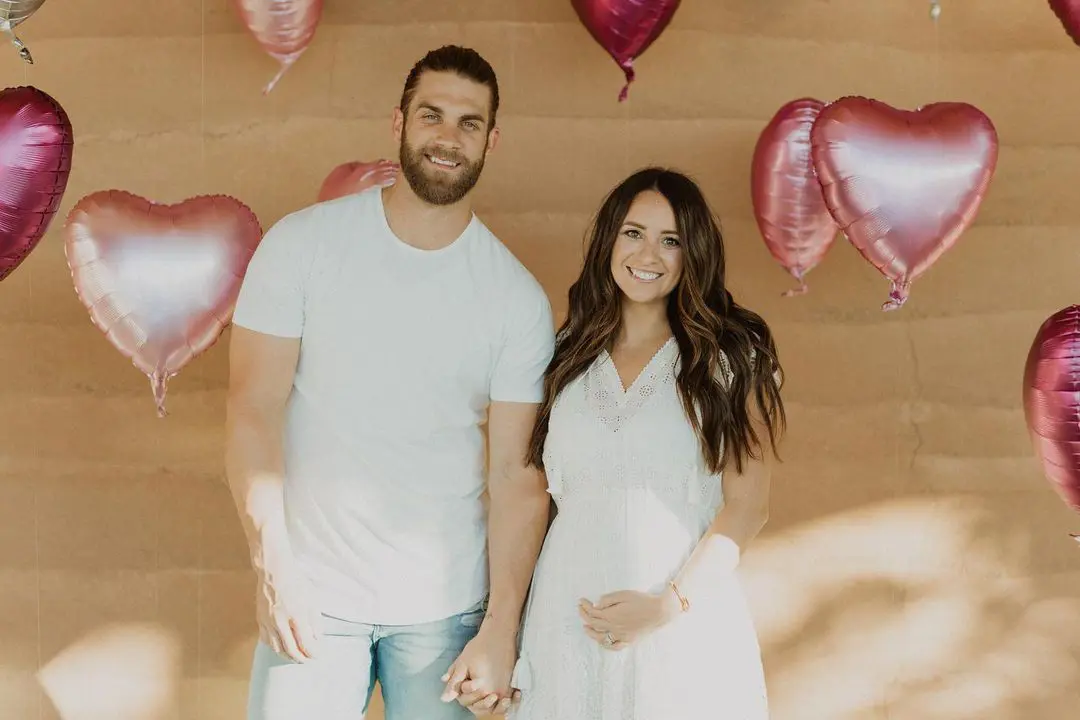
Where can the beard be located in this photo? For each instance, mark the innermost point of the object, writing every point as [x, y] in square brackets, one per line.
[432, 185]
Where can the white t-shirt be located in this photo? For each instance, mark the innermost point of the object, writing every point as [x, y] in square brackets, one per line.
[401, 351]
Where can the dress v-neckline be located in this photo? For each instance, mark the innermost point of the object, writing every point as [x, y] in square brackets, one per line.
[625, 390]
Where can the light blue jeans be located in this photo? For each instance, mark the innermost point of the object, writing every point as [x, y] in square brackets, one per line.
[407, 660]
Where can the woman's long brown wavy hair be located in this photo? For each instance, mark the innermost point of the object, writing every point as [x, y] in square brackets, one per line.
[705, 320]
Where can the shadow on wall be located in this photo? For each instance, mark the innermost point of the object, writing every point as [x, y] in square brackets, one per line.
[914, 608]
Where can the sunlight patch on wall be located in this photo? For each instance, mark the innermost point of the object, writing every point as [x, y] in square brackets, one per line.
[117, 672]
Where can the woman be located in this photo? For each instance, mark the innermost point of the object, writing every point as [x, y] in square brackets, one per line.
[635, 611]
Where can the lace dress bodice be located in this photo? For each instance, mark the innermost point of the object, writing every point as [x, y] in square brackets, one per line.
[600, 441]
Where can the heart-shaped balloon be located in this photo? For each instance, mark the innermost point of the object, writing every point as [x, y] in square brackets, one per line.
[790, 210]
[625, 28]
[13, 13]
[355, 177]
[903, 185]
[36, 146]
[1068, 12]
[284, 28]
[1052, 401]
[160, 281]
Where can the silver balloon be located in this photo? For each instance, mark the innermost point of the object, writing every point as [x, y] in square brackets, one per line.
[13, 12]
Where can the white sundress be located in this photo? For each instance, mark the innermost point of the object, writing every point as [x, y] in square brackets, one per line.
[634, 499]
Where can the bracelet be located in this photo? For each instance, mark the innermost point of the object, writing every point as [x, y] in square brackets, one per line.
[683, 602]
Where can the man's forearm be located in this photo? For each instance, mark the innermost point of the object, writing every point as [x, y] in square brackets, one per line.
[517, 523]
[254, 468]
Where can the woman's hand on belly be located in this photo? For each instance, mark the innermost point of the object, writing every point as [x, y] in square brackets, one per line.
[621, 618]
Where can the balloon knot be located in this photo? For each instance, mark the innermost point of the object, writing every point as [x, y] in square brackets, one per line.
[159, 382]
[284, 62]
[802, 289]
[628, 71]
[898, 295]
[24, 52]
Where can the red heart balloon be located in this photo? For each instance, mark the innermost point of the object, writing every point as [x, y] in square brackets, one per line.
[1068, 12]
[903, 185]
[36, 145]
[788, 205]
[625, 28]
[283, 28]
[1052, 401]
[160, 281]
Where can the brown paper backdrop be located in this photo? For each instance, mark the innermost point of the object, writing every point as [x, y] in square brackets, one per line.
[916, 566]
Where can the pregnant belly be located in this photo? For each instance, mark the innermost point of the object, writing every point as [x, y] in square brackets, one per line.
[597, 548]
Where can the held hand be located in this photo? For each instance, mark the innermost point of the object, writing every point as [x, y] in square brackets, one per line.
[479, 679]
[480, 703]
[623, 617]
[287, 622]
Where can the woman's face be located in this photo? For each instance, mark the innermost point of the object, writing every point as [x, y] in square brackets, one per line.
[647, 259]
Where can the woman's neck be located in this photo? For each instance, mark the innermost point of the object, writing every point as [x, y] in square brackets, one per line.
[643, 324]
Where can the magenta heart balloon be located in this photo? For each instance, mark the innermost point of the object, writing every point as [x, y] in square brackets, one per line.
[1052, 401]
[786, 195]
[903, 185]
[625, 28]
[160, 281]
[36, 145]
[1068, 12]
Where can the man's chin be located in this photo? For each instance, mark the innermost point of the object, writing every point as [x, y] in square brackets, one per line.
[435, 186]
[442, 178]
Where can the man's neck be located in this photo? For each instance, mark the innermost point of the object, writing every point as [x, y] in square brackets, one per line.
[420, 224]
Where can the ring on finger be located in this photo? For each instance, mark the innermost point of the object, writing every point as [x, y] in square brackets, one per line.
[609, 639]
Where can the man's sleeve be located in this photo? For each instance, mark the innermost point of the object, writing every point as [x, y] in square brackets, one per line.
[527, 350]
[272, 295]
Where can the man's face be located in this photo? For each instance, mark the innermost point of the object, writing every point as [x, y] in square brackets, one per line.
[445, 137]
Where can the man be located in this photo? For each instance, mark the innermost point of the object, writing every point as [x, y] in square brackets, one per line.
[371, 334]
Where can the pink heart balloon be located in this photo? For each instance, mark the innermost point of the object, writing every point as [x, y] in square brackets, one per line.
[625, 28]
[903, 185]
[788, 205]
[284, 28]
[160, 281]
[1068, 12]
[36, 146]
[355, 177]
[1052, 401]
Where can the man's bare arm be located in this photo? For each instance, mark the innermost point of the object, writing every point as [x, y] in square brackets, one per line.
[262, 368]
[518, 516]
[261, 371]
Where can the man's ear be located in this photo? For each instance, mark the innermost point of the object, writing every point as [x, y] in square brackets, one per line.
[493, 139]
[399, 124]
